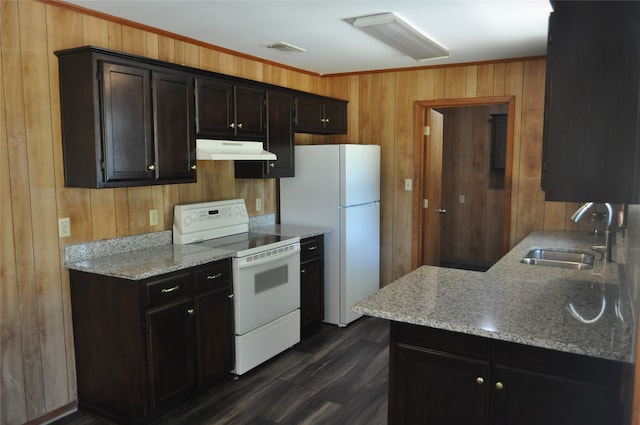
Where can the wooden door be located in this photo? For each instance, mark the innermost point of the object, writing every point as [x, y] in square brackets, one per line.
[280, 135]
[175, 139]
[127, 129]
[430, 387]
[250, 116]
[214, 334]
[309, 115]
[171, 351]
[433, 188]
[529, 398]
[214, 108]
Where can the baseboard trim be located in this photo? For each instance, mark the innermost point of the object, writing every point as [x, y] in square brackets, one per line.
[56, 414]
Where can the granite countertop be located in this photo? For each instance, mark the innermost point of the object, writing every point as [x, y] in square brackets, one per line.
[152, 254]
[578, 311]
[138, 257]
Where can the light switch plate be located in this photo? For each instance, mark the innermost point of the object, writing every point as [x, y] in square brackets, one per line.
[408, 184]
[258, 204]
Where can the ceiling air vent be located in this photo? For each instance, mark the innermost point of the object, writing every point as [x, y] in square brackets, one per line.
[285, 47]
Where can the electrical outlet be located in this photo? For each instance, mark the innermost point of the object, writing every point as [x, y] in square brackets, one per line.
[64, 227]
[408, 184]
[258, 204]
[153, 217]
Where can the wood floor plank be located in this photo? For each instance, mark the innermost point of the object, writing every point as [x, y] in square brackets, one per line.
[336, 376]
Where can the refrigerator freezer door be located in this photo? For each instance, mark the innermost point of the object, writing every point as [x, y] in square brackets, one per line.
[360, 251]
[360, 174]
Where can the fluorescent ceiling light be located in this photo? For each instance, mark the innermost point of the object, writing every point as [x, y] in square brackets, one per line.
[393, 31]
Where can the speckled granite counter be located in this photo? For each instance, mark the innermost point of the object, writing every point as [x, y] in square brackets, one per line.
[138, 257]
[152, 254]
[583, 312]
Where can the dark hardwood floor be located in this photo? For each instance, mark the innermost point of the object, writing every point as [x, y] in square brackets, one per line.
[336, 376]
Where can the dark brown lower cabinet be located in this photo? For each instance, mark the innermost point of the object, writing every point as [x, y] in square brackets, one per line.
[171, 348]
[143, 345]
[311, 284]
[439, 377]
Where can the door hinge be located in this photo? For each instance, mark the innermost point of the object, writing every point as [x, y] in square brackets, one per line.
[427, 130]
[425, 203]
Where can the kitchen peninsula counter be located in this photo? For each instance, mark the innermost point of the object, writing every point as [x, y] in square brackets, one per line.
[583, 312]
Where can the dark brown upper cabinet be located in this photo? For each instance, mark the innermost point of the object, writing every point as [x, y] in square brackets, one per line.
[124, 122]
[279, 141]
[591, 150]
[225, 110]
[320, 115]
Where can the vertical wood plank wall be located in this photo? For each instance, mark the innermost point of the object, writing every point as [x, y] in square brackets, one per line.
[36, 340]
[383, 105]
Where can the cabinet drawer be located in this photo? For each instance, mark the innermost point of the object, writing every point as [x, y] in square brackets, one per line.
[217, 274]
[171, 288]
[311, 248]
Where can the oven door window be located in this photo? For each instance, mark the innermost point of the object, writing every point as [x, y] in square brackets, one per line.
[271, 278]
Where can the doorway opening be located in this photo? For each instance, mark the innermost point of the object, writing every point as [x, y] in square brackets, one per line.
[463, 165]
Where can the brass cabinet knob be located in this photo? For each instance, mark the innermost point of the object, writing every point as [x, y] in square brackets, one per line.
[230, 296]
[499, 385]
[239, 125]
[151, 167]
[232, 125]
[479, 380]
[190, 311]
[272, 165]
[193, 167]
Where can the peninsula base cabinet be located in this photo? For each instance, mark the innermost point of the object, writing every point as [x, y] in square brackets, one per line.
[141, 346]
[439, 377]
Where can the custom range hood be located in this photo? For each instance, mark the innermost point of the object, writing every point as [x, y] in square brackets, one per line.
[207, 149]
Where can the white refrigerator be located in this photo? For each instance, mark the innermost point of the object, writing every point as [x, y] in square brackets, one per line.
[338, 187]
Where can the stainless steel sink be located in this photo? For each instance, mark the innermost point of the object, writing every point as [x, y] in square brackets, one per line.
[557, 257]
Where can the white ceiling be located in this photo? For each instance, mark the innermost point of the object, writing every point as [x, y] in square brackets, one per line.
[473, 30]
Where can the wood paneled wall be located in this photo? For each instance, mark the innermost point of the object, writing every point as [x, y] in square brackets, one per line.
[381, 108]
[38, 370]
[36, 341]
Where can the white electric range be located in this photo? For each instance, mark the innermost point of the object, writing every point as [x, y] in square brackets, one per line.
[266, 277]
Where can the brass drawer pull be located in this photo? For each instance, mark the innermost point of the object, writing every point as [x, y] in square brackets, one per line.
[214, 276]
[167, 290]
[312, 248]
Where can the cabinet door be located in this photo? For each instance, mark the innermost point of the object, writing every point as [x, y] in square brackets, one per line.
[529, 398]
[311, 294]
[214, 108]
[175, 142]
[335, 117]
[171, 351]
[280, 135]
[250, 121]
[279, 141]
[591, 129]
[430, 387]
[126, 123]
[309, 114]
[215, 334]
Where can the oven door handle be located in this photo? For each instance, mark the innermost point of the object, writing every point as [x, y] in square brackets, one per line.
[243, 264]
